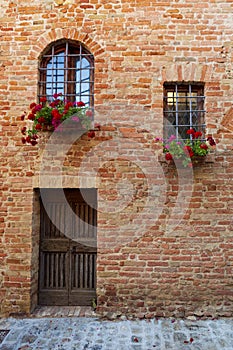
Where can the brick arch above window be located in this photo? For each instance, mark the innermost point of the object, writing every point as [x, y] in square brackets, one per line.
[45, 39]
[67, 67]
[187, 72]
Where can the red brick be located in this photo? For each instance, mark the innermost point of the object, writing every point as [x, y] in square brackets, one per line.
[153, 272]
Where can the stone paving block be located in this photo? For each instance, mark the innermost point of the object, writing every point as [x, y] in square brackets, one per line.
[76, 333]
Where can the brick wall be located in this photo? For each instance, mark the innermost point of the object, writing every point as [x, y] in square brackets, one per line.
[149, 262]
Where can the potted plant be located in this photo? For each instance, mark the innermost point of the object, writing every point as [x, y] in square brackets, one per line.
[188, 151]
[49, 115]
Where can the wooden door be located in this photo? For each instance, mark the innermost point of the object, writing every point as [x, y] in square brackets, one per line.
[67, 272]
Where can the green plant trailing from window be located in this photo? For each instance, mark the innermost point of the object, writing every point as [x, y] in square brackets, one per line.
[188, 150]
[49, 115]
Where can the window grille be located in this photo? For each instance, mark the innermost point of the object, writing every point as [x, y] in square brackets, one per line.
[67, 68]
[183, 109]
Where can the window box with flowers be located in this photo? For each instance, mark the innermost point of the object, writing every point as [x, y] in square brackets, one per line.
[49, 115]
[189, 151]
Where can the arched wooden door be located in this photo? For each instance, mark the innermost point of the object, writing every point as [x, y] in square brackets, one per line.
[67, 268]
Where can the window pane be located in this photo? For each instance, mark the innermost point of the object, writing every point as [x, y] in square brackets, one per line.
[83, 80]
[55, 75]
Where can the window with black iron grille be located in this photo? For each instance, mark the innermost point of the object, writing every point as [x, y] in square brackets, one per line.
[67, 67]
[183, 109]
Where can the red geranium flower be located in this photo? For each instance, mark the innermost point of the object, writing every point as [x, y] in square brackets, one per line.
[38, 127]
[80, 104]
[43, 99]
[56, 114]
[168, 156]
[211, 141]
[23, 130]
[36, 108]
[204, 146]
[191, 154]
[191, 132]
[31, 116]
[41, 120]
[33, 142]
[57, 95]
[32, 105]
[91, 134]
[68, 105]
[197, 134]
[55, 103]
[188, 150]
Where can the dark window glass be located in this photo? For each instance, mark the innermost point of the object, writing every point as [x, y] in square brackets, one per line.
[183, 109]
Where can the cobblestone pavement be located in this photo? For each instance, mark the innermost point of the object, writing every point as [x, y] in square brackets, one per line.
[80, 333]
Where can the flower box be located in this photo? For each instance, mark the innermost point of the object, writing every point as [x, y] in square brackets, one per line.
[56, 115]
[198, 160]
[189, 152]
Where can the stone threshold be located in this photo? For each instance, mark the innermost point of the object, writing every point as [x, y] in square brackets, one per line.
[63, 311]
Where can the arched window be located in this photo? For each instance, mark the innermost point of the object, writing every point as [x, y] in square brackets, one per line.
[67, 67]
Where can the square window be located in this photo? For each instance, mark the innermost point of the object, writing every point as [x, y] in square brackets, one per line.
[183, 108]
